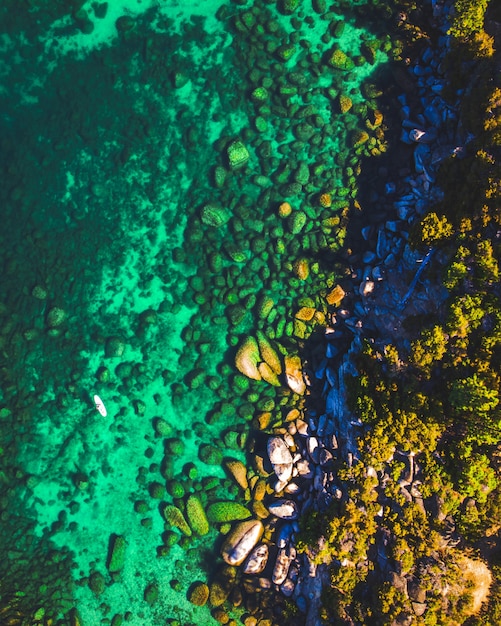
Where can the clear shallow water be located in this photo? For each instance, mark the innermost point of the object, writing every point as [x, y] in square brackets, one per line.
[106, 167]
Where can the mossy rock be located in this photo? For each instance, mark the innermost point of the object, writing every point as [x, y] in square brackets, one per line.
[196, 516]
[235, 314]
[341, 61]
[301, 268]
[151, 593]
[220, 174]
[97, 584]
[219, 591]
[268, 375]
[214, 215]
[345, 103]
[297, 222]
[162, 427]
[175, 488]
[288, 7]
[268, 352]
[198, 594]
[265, 307]
[156, 490]
[238, 155]
[238, 470]
[116, 553]
[247, 358]
[359, 137]
[222, 512]
[175, 517]
[114, 347]
[210, 455]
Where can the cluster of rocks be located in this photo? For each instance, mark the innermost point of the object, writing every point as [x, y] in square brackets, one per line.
[301, 454]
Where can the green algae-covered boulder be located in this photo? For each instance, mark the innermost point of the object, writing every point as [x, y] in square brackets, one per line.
[214, 215]
[97, 584]
[210, 455]
[287, 7]
[196, 516]
[218, 593]
[238, 471]
[268, 375]
[55, 317]
[247, 358]
[265, 306]
[222, 512]
[176, 518]
[238, 155]
[175, 488]
[162, 427]
[297, 222]
[198, 594]
[319, 6]
[220, 174]
[151, 593]
[260, 94]
[114, 347]
[359, 138]
[345, 103]
[341, 61]
[116, 553]
[268, 352]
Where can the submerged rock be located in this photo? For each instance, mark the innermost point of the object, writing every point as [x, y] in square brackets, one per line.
[196, 516]
[198, 594]
[247, 359]
[175, 518]
[214, 215]
[222, 512]
[238, 155]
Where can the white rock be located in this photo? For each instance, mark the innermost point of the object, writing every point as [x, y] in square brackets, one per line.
[304, 469]
[282, 564]
[278, 452]
[366, 288]
[284, 509]
[283, 472]
[257, 559]
[241, 540]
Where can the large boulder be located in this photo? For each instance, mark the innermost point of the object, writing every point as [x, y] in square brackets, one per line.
[241, 540]
[248, 357]
[294, 374]
[238, 155]
[284, 509]
[257, 560]
[280, 459]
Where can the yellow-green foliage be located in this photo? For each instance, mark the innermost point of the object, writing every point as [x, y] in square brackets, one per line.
[430, 347]
[434, 229]
[468, 26]
[196, 516]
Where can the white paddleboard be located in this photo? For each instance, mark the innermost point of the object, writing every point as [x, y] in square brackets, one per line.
[100, 406]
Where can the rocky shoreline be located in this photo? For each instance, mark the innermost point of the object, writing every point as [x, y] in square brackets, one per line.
[298, 457]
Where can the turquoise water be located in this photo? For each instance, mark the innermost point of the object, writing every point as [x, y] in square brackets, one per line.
[114, 285]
